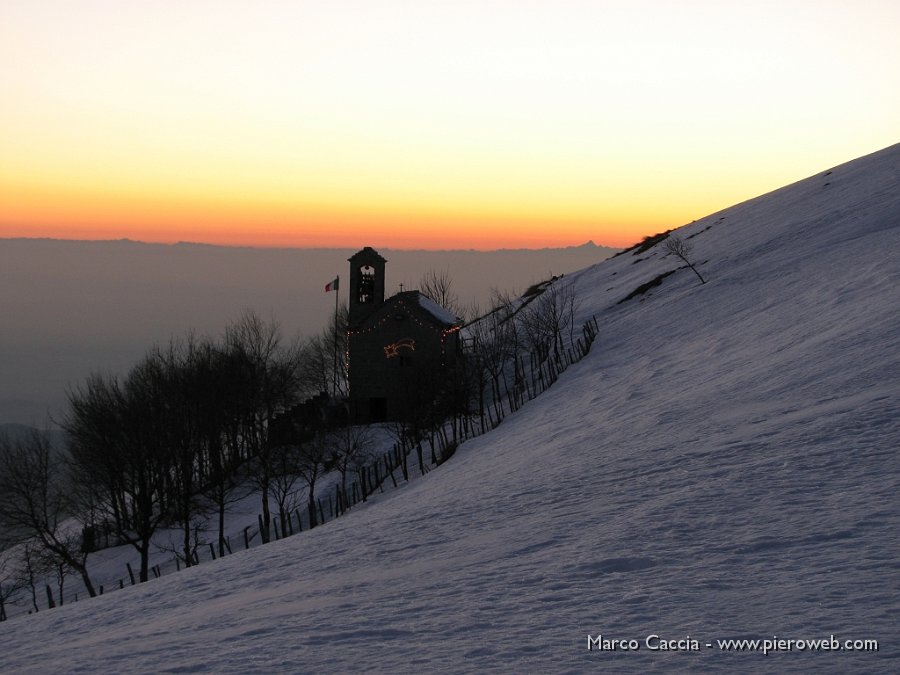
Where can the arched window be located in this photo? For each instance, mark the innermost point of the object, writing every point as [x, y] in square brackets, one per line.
[366, 287]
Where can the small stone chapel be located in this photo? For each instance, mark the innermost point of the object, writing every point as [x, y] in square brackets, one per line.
[394, 344]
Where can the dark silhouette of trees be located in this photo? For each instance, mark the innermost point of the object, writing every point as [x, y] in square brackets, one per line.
[36, 500]
[271, 372]
[193, 428]
[32, 569]
[286, 480]
[312, 457]
[546, 318]
[10, 580]
[427, 403]
[118, 441]
[96, 439]
[351, 448]
[143, 410]
[301, 452]
[317, 364]
[228, 449]
[165, 445]
[179, 422]
[317, 359]
[494, 340]
[136, 447]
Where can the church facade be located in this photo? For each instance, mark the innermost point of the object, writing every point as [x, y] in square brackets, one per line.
[397, 346]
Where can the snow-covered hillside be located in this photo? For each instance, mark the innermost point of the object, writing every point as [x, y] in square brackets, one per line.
[723, 464]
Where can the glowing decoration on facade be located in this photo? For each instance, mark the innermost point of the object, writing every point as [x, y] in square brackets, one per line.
[392, 350]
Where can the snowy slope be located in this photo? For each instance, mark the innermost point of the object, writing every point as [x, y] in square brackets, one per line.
[723, 464]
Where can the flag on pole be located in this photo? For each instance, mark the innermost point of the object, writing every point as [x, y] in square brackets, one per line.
[333, 286]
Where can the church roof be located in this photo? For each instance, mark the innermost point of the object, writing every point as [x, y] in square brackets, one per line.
[367, 253]
[438, 312]
[415, 300]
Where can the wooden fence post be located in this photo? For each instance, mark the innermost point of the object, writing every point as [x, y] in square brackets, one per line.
[263, 532]
[391, 470]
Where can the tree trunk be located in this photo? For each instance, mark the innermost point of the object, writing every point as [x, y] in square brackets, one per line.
[86, 580]
[221, 527]
[186, 543]
[311, 507]
[266, 514]
[145, 560]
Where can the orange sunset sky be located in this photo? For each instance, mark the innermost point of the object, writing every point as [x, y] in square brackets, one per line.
[464, 124]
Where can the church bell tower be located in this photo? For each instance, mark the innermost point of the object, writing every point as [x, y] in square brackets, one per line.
[366, 284]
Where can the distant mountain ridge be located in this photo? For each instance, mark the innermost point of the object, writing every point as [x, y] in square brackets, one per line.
[201, 244]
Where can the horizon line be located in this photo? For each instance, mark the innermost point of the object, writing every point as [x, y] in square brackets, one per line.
[127, 240]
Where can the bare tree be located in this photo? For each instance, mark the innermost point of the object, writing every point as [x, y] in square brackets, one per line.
[351, 448]
[546, 318]
[681, 249]
[35, 498]
[31, 570]
[146, 458]
[118, 442]
[194, 379]
[96, 441]
[323, 362]
[316, 364]
[425, 403]
[311, 461]
[286, 480]
[504, 304]
[185, 548]
[272, 387]
[493, 339]
[439, 287]
[10, 580]
[178, 373]
[228, 447]
[60, 570]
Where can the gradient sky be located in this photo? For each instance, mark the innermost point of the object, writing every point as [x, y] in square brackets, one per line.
[427, 124]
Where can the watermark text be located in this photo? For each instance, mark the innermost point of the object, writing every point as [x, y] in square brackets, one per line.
[657, 643]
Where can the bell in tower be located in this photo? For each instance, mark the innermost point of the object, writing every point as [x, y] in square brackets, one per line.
[366, 284]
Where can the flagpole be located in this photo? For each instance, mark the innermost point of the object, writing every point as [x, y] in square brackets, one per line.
[334, 365]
